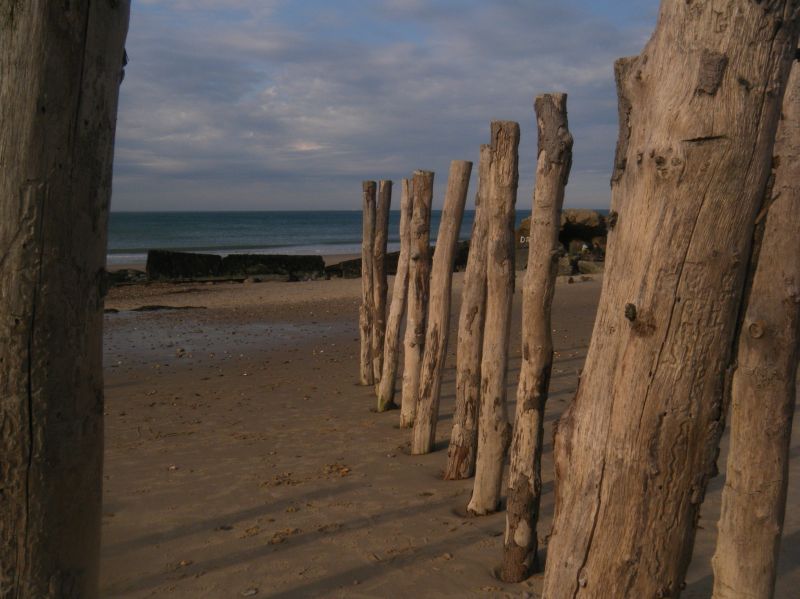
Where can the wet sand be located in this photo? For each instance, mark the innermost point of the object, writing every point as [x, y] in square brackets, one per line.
[243, 460]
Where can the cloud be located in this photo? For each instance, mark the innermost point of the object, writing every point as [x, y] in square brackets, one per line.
[257, 105]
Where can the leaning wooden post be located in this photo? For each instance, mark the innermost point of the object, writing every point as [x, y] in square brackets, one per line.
[367, 309]
[419, 280]
[380, 284]
[525, 471]
[398, 308]
[438, 324]
[61, 65]
[494, 431]
[464, 436]
[763, 389]
[635, 450]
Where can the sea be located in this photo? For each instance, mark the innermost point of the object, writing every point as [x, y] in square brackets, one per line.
[132, 234]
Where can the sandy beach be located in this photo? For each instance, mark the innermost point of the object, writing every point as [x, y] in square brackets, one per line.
[243, 460]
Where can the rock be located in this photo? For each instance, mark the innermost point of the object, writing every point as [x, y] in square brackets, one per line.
[163, 265]
[577, 225]
[296, 268]
[351, 269]
[125, 276]
[587, 267]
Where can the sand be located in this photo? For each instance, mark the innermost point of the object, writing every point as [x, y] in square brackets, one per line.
[243, 460]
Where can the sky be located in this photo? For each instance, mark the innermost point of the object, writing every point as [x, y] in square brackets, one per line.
[290, 104]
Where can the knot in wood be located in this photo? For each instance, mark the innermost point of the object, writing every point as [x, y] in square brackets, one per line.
[756, 329]
[630, 312]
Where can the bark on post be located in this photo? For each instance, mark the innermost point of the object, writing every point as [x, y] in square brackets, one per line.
[763, 389]
[61, 66]
[464, 437]
[438, 324]
[380, 285]
[525, 476]
[367, 310]
[494, 431]
[398, 308]
[635, 450]
[419, 270]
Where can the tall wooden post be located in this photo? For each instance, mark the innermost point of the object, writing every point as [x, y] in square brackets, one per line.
[525, 472]
[494, 431]
[61, 65]
[419, 281]
[380, 284]
[438, 325]
[763, 390]
[367, 310]
[635, 450]
[464, 436]
[398, 308]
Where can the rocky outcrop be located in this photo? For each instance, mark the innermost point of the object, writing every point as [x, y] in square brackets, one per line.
[295, 268]
[582, 231]
[351, 269]
[163, 265]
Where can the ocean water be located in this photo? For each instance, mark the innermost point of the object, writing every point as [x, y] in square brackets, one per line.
[132, 234]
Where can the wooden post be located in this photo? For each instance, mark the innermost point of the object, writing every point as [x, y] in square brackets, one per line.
[367, 311]
[438, 325]
[635, 450]
[763, 389]
[419, 269]
[380, 285]
[525, 471]
[494, 431]
[61, 65]
[398, 308]
[464, 436]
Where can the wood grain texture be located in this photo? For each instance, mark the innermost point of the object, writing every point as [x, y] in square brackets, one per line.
[763, 389]
[379, 281]
[464, 436]
[391, 347]
[419, 270]
[635, 450]
[525, 472]
[367, 309]
[61, 66]
[494, 431]
[438, 325]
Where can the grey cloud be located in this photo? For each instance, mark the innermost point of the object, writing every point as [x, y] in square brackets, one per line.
[261, 116]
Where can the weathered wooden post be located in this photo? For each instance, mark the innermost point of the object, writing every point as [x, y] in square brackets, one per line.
[419, 280]
[398, 308]
[525, 472]
[380, 284]
[367, 311]
[438, 324]
[494, 431]
[464, 436]
[763, 390]
[635, 450]
[61, 66]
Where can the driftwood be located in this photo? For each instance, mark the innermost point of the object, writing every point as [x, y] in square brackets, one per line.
[398, 308]
[494, 431]
[419, 269]
[438, 324]
[367, 310]
[61, 65]
[525, 471]
[635, 450]
[464, 436]
[763, 392]
[380, 284]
